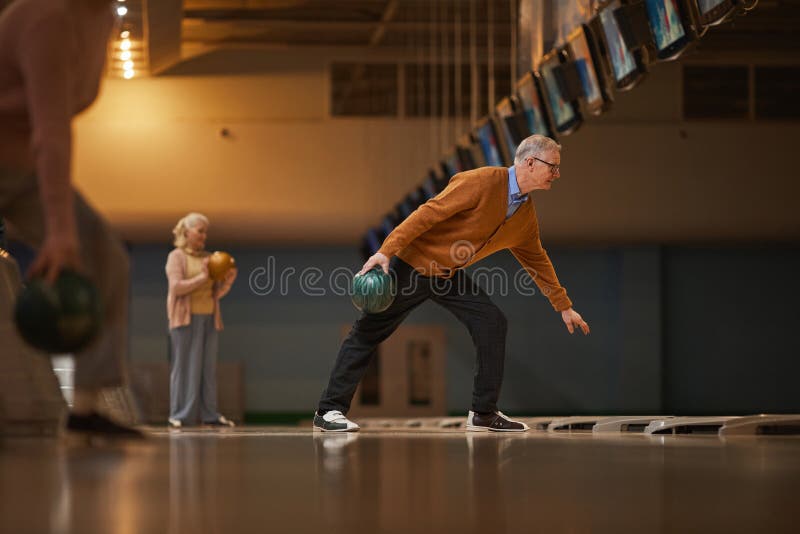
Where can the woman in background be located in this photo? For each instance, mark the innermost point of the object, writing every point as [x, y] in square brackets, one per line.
[194, 321]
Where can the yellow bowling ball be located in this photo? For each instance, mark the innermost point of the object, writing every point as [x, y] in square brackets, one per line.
[219, 263]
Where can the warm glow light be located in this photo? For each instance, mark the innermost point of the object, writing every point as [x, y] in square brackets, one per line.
[122, 11]
[125, 34]
[128, 74]
[125, 44]
[128, 65]
[125, 56]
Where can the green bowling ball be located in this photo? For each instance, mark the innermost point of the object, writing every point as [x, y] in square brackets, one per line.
[373, 291]
[62, 318]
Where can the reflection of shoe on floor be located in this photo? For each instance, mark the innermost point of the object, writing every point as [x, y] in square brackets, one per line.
[335, 442]
[220, 421]
[493, 422]
[334, 421]
[94, 424]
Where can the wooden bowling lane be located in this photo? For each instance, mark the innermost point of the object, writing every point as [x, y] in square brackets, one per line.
[253, 479]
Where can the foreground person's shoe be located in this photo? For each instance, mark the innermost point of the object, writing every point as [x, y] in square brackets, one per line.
[334, 421]
[96, 425]
[220, 421]
[493, 422]
[174, 423]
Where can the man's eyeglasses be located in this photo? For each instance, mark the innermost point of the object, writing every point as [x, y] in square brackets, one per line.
[554, 169]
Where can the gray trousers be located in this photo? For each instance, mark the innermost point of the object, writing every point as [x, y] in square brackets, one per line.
[105, 262]
[193, 371]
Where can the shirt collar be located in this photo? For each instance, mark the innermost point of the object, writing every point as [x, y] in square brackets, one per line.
[513, 186]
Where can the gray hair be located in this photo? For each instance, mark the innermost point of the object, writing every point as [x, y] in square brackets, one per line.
[189, 221]
[533, 146]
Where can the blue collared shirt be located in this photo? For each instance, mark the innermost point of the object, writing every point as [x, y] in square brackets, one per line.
[515, 199]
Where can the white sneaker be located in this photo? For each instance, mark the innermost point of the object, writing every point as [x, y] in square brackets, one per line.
[334, 421]
[174, 423]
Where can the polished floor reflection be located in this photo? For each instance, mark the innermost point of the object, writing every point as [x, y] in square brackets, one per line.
[290, 480]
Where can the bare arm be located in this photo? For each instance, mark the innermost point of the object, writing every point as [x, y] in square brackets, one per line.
[45, 63]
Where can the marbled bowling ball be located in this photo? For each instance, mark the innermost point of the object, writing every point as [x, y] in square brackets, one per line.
[61, 318]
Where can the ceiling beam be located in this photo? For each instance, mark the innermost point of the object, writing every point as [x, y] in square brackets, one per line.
[220, 17]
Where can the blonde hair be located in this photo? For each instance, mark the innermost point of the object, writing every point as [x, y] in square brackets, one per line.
[189, 221]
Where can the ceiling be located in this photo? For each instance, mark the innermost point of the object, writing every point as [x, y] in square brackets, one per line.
[360, 23]
[772, 25]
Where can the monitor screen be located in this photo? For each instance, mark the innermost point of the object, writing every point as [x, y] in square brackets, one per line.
[465, 158]
[488, 143]
[586, 69]
[510, 135]
[470, 152]
[387, 225]
[532, 106]
[453, 164]
[373, 241]
[707, 6]
[715, 11]
[431, 184]
[563, 111]
[622, 61]
[665, 21]
[439, 179]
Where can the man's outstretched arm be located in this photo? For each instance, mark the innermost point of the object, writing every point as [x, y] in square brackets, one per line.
[533, 257]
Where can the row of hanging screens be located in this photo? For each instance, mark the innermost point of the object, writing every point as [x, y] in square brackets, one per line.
[610, 53]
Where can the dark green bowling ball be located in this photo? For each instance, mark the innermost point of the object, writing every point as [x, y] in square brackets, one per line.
[62, 318]
[373, 291]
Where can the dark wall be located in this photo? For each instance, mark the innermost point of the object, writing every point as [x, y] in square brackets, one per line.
[678, 330]
[730, 323]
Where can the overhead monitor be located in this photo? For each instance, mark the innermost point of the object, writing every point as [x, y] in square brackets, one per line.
[634, 24]
[466, 158]
[487, 138]
[529, 96]
[627, 66]
[471, 152]
[583, 50]
[566, 116]
[713, 12]
[452, 163]
[436, 182]
[404, 208]
[672, 27]
[511, 122]
[424, 194]
[371, 242]
[387, 225]
[432, 183]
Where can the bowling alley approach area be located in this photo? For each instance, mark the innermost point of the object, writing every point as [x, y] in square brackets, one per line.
[394, 479]
[399, 266]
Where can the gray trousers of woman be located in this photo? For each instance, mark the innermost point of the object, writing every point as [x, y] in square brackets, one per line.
[193, 371]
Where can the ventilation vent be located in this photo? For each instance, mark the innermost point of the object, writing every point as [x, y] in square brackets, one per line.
[364, 89]
[777, 92]
[716, 92]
